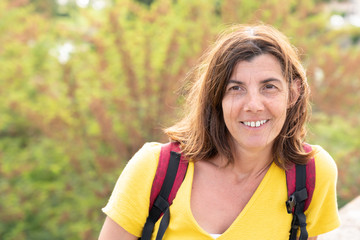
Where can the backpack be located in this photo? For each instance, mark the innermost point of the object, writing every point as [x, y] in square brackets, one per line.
[170, 173]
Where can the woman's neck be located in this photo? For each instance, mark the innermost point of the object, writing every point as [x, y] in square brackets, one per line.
[247, 163]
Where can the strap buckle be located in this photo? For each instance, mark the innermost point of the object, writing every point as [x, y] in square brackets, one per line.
[290, 203]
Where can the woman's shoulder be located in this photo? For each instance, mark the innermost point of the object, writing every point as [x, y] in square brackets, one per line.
[150, 147]
[323, 157]
[147, 154]
[322, 213]
[324, 163]
[142, 165]
[129, 202]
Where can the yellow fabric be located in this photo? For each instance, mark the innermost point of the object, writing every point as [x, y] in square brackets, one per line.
[264, 216]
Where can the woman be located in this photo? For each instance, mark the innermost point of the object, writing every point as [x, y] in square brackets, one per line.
[244, 126]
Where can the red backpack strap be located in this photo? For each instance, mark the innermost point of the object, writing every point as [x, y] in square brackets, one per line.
[169, 175]
[310, 178]
[161, 170]
[300, 181]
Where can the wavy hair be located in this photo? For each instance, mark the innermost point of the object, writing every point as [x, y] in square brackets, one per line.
[202, 132]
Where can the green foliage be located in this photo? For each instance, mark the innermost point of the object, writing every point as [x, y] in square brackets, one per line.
[69, 122]
[340, 137]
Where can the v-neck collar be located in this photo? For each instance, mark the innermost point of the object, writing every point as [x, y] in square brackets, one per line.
[248, 206]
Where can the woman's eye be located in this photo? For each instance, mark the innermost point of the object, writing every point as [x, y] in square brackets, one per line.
[235, 88]
[270, 87]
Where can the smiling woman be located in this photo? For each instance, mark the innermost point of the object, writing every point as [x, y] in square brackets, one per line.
[243, 128]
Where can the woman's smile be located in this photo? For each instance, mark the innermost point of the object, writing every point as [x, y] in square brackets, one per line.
[254, 124]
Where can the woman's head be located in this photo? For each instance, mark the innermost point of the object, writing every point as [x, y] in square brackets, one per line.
[204, 125]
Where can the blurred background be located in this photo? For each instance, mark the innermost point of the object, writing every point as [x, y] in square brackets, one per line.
[84, 83]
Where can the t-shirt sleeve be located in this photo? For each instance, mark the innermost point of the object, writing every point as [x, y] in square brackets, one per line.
[129, 203]
[322, 214]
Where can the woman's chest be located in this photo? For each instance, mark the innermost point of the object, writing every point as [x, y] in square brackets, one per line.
[231, 211]
[217, 201]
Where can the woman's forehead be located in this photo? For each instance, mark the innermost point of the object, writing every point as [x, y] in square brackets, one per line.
[262, 66]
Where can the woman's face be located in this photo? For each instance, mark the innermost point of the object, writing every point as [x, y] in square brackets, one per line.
[255, 103]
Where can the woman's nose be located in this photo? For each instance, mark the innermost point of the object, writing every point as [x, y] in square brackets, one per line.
[253, 102]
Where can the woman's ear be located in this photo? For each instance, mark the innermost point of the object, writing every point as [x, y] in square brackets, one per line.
[295, 90]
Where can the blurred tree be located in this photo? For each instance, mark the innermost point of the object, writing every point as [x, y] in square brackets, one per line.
[82, 94]
[47, 7]
[147, 2]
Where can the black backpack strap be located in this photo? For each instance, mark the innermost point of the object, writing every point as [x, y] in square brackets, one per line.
[163, 224]
[161, 204]
[297, 202]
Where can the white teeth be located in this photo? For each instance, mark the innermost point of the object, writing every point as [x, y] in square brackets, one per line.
[255, 124]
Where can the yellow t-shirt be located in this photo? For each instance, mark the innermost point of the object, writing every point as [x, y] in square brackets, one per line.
[264, 216]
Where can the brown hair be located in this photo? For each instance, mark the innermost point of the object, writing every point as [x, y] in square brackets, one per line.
[202, 131]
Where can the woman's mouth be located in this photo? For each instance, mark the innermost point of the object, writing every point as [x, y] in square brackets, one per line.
[255, 124]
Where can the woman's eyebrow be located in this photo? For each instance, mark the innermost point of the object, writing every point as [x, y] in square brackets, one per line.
[236, 82]
[270, 80]
[263, 81]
